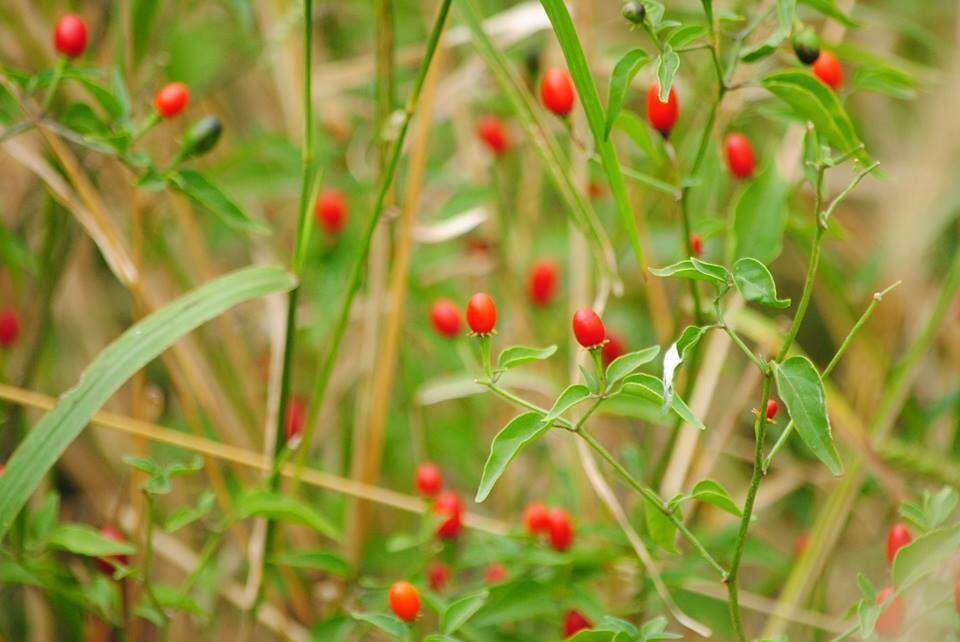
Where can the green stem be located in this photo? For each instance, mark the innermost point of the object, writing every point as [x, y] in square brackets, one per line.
[523, 403]
[148, 558]
[58, 70]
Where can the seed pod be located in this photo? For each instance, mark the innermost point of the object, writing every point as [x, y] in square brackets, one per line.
[201, 138]
[634, 11]
[806, 44]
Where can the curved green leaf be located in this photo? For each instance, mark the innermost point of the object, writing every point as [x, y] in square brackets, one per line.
[521, 431]
[118, 362]
[389, 624]
[695, 269]
[800, 388]
[711, 492]
[756, 284]
[628, 363]
[623, 73]
[83, 540]
[571, 396]
[829, 8]
[457, 614]
[760, 215]
[325, 561]
[196, 186]
[667, 68]
[260, 502]
[518, 355]
[649, 388]
[924, 555]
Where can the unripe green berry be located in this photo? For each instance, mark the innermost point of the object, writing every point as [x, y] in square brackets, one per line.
[806, 44]
[634, 11]
[201, 137]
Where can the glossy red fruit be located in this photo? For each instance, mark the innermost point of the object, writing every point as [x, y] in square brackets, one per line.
[827, 68]
[404, 601]
[493, 133]
[573, 622]
[331, 210]
[171, 99]
[898, 537]
[448, 505]
[588, 328]
[740, 157]
[429, 479]
[481, 313]
[891, 618]
[560, 529]
[104, 563]
[495, 573]
[70, 35]
[438, 574]
[613, 348]
[9, 328]
[663, 116]
[536, 517]
[772, 408]
[543, 282]
[445, 317]
[296, 419]
[696, 244]
[556, 91]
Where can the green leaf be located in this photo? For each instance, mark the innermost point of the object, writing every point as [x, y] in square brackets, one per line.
[786, 11]
[139, 345]
[685, 35]
[712, 492]
[440, 637]
[662, 530]
[325, 561]
[171, 597]
[639, 132]
[656, 629]
[518, 355]
[885, 80]
[623, 73]
[83, 540]
[189, 514]
[667, 68]
[627, 364]
[697, 270]
[202, 191]
[689, 338]
[924, 555]
[521, 431]
[260, 502]
[460, 611]
[571, 396]
[756, 284]
[800, 388]
[144, 464]
[389, 624]
[759, 217]
[588, 375]
[144, 13]
[44, 518]
[829, 8]
[939, 507]
[650, 388]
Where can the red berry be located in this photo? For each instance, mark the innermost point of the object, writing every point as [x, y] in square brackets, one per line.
[898, 537]
[445, 317]
[663, 116]
[438, 574]
[891, 618]
[495, 573]
[800, 545]
[171, 99]
[560, 529]
[740, 157]
[429, 479]
[70, 35]
[331, 210]
[613, 348]
[404, 601]
[772, 408]
[536, 517]
[296, 419]
[481, 313]
[543, 282]
[448, 505]
[573, 622]
[588, 328]
[2, 467]
[556, 91]
[493, 132]
[827, 68]
[104, 563]
[696, 244]
[9, 328]
[595, 189]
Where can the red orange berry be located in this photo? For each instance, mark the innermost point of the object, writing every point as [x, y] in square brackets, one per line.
[171, 99]
[827, 68]
[536, 517]
[404, 601]
[696, 244]
[740, 157]
[449, 506]
[438, 574]
[560, 529]
[481, 313]
[296, 419]
[445, 317]
[891, 618]
[613, 348]
[588, 328]
[106, 564]
[70, 35]
[897, 537]
[9, 328]
[331, 210]
[556, 91]
[543, 282]
[662, 115]
[493, 133]
[429, 479]
[772, 408]
[573, 622]
[495, 573]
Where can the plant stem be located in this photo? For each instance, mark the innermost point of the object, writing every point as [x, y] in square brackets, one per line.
[148, 557]
[523, 403]
[58, 70]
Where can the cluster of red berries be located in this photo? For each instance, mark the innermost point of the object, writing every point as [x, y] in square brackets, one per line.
[331, 210]
[446, 503]
[9, 328]
[555, 523]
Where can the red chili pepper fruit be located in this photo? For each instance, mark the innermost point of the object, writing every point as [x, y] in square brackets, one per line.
[662, 115]
[898, 537]
[613, 348]
[448, 505]
[429, 479]
[588, 328]
[556, 91]
[696, 244]
[438, 574]
[827, 68]
[296, 419]
[573, 622]
[104, 563]
[404, 601]
[331, 210]
[481, 313]
[560, 529]
[740, 157]
[445, 317]
[70, 35]
[9, 328]
[772, 408]
[891, 618]
[536, 517]
[493, 133]
[543, 282]
[171, 99]
[495, 573]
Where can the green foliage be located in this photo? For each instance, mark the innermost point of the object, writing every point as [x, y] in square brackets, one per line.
[516, 435]
[802, 391]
